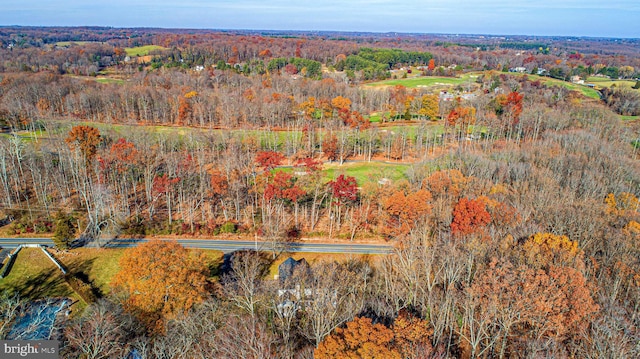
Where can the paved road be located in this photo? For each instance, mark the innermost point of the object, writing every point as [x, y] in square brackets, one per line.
[225, 245]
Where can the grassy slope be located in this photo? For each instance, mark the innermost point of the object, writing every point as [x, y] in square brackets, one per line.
[142, 50]
[34, 276]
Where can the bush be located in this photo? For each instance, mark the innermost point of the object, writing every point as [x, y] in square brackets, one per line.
[229, 227]
[65, 230]
[134, 227]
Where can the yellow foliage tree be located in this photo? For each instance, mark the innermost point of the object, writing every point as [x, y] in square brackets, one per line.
[544, 249]
[341, 103]
[622, 205]
[430, 107]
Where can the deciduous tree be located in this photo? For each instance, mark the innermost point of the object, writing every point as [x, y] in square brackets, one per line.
[360, 339]
[160, 279]
[86, 140]
[469, 215]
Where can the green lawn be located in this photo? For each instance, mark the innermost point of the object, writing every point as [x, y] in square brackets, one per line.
[629, 118]
[34, 275]
[366, 171]
[142, 50]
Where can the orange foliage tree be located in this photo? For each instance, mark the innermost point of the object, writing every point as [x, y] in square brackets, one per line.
[124, 154]
[408, 337]
[432, 65]
[446, 182]
[85, 139]
[532, 303]
[469, 215]
[360, 339]
[403, 211]
[412, 336]
[463, 116]
[160, 279]
[340, 103]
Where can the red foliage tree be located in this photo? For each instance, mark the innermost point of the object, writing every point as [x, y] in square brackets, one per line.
[269, 160]
[344, 189]
[330, 147]
[124, 153]
[283, 186]
[309, 164]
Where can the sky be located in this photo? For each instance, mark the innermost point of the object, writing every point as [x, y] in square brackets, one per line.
[593, 18]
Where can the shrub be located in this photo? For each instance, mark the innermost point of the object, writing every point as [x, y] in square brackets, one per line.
[229, 227]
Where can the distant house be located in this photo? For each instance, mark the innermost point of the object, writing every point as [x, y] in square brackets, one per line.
[577, 80]
[519, 69]
[446, 96]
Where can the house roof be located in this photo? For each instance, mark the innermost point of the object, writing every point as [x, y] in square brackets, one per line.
[286, 268]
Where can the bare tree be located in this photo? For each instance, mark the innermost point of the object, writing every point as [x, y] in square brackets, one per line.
[104, 331]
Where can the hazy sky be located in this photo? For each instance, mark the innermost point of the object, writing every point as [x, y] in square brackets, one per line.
[601, 18]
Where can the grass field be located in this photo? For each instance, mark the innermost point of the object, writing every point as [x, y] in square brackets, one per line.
[629, 118]
[606, 82]
[548, 81]
[469, 78]
[428, 81]
[142, 50]
[366, 171]
[69, 43]
[108, 80]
